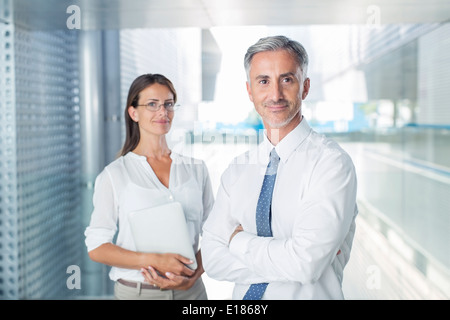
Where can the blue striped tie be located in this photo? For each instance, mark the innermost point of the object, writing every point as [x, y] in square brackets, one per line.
[263, 217]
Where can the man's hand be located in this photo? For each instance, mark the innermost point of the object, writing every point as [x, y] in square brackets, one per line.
[236, 231]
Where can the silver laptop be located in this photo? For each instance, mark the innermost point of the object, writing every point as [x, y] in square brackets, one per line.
[162, 229]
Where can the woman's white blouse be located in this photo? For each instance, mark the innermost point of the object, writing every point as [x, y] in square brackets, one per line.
[129, 184]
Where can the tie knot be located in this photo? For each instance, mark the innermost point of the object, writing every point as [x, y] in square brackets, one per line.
[274, 156]
[273, 164]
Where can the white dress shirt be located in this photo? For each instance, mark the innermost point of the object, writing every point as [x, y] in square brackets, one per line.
[129, 184]
[313, 217]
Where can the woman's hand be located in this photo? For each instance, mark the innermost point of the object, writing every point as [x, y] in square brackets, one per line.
[172, 263]
[171, 280]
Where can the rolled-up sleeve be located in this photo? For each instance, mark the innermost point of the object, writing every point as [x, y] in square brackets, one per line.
[103, 224]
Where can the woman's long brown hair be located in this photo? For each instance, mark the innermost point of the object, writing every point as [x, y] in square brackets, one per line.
[131, 127]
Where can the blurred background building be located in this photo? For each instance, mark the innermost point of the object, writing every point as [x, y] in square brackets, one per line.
[380, 79]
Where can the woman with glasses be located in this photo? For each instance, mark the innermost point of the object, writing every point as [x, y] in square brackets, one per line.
[148, 174]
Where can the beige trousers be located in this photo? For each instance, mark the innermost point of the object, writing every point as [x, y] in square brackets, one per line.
[196, 292]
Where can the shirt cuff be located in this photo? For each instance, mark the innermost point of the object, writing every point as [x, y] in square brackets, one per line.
[95, 237]
[239, 244]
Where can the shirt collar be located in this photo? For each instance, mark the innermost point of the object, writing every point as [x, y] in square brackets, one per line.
[131, 154]
[289, 143]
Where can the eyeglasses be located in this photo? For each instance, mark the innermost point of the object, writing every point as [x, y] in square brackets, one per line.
[153, 106]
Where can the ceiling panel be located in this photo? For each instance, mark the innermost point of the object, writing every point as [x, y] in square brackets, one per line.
[119, 14]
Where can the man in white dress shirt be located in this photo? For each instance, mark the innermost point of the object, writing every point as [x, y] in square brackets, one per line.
[313, 205]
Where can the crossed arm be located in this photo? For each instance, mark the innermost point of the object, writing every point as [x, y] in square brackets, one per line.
[322, 224]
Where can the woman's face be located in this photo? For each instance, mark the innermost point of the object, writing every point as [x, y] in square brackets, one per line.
[153, 122]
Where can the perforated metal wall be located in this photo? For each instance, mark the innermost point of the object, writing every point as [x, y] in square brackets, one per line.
[40, 229]
[8, 191]
[48, 160]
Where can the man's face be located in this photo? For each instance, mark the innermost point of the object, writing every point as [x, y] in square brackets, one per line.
[277, 88]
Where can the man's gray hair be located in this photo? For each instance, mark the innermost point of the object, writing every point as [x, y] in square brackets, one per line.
[275, 43]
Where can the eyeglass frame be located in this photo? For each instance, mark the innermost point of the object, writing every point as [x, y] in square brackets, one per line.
[158, 107]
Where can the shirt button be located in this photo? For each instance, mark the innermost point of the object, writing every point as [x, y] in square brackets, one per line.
[170, 197]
